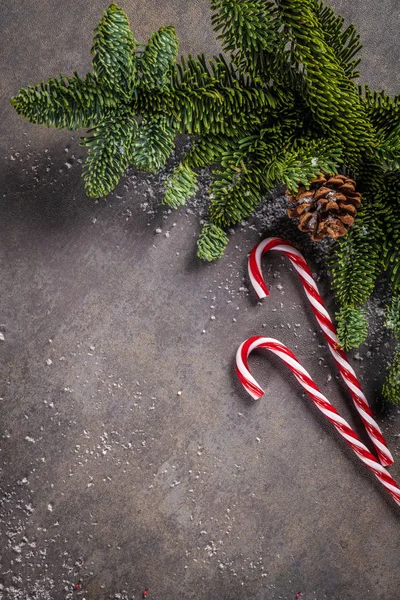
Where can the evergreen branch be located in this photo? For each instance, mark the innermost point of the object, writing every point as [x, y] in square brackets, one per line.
[154, 143]
[180, 186]
[211, 98]
[69, 102]
[381, 109]
[345, 43]
[352, 327]
[114, 62]
[235, 193]
[329, 93]
[355, 263]
[208, 150]
[110, 146]
[391, 387]
[391, 221]
[392, 317]
[158, 58]
[211, 243]
[304, 163]
[388, 148]
[250, 32]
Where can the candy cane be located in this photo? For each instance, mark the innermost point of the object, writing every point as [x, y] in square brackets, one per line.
[320, 400]
[328, 328]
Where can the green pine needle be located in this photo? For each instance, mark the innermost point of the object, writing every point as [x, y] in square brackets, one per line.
[301, 165]
[110, 146]
[392, 320]
[211, 243]
[158, 58]
[154, 143]
[235, 193]
[180, 186]
[114, 62]
[69, 102]
[352, 327]
[391, 387]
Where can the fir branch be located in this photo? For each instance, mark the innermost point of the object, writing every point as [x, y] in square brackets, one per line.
[392, 317]
[158, 58]
[381, 108]
[69, 102]
[302, 164]
[345, 43]
[329, 93]
[235, 193]
[211, 243]
[154, 143]
[388, 147]
[180, 186]
[249, 30]
[110, 146]
[391, 223]
[391, 387]
[356, 261]
[211, 98]
[114, 63]
[208, 150]
[352, 327]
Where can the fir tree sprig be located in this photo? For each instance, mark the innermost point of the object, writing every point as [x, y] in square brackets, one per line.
[113, 50]
[391, 386]
[212, 242]
[110, 146]
[280, 106]
[352, 327]
[180, 186]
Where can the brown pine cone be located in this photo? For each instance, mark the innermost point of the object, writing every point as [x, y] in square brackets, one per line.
[329, 207]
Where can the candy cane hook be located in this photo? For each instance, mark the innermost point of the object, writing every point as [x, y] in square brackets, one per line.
[320, 400]
[328, 329]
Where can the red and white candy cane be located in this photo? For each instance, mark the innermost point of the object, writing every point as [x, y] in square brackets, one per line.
[328, 328]
[320, 400]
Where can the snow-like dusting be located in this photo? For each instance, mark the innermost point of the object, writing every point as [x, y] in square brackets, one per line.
[40, 557]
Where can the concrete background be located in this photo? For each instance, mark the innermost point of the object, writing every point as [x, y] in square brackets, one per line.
[110, 479]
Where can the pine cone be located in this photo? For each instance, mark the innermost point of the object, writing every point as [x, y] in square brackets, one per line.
[329, 207]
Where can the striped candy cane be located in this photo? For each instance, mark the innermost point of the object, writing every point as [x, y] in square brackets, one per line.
[320, 400]
[328, 328]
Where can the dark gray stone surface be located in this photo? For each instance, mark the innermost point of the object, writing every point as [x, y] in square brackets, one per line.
[112, 478]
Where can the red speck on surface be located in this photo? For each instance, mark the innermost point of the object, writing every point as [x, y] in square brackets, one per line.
[299, 595]
[144, 594]
[77, 586]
